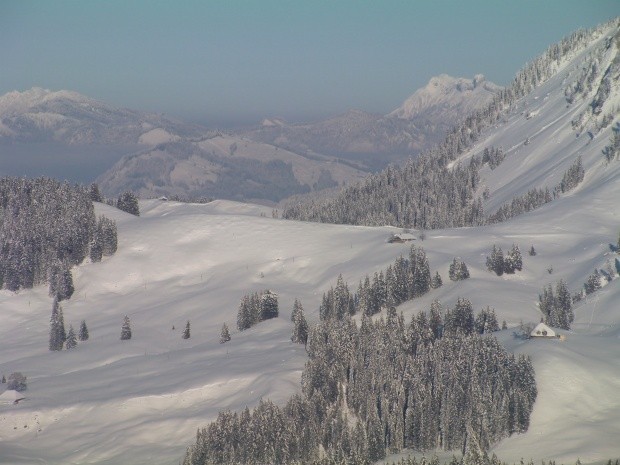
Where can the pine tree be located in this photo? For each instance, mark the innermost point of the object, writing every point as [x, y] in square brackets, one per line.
[126, 329]
[495, 262]
[224, 334]
[83, 335]
[296, 307]
[300, 328]
[57, 327]
[436, 282]
[593, 283]
[186, 332]
[128, 202]
[268, 305]
[71, 341]
[532, 252]
[95, 195]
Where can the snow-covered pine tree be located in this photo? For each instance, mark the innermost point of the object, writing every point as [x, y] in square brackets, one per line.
[486, 321]
[224, 334]
[300, 327]
[495, 262]
[532, 252]
[128, 202]
[593, 283]
[244, 314]
[296, 307]
[57, 327]
[95, 194]
[436, 282]
[71, 341]
[186, 331]
[126, 329]
[458, 270]
[83, 334]
[268, 305]
[106, 228]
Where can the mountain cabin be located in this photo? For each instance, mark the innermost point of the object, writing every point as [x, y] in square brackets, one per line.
[400, 238]
[542, 330]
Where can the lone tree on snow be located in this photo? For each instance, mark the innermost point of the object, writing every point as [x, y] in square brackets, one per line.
[57, 327]
[83, 335]
[186, 333]
[224, 334]
[126, 329]
[71, 339]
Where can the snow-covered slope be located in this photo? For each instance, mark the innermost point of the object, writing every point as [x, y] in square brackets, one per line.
[38, 115]
[140, 401]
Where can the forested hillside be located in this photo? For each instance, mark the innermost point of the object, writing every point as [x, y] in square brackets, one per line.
[448, 185]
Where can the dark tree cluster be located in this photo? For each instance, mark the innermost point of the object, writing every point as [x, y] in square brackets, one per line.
[535, 198]
[128, 202]
[58, 336]
[458, 270]
[593, 283]
[572, 177]
[405, 279]
[46, 227]
[557, 307]
[423, 194]
[493, 157]
[500, 264]
[257, 307]
[16, 382]
[529, 201]
[380, 387]
[612, 150]
[105, 241]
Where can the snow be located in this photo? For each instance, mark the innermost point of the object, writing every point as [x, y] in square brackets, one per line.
[141, 401]
[446, 92]
[156, 136]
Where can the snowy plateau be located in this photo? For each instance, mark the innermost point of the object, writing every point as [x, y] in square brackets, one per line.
[141, 401]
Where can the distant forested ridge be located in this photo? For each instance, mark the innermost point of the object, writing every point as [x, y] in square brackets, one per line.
[430, 193]
[46, 227]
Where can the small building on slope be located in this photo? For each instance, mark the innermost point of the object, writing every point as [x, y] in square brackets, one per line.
[542, 330]
[11, 396]
[401, 237]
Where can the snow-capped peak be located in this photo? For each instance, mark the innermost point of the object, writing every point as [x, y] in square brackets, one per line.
[22, 102]
[460, 94]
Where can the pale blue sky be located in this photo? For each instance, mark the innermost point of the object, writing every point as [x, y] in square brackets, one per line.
[228, 61]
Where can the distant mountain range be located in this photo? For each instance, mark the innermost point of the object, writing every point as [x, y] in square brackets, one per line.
[41, 115]
[421, 121]
[267, 163]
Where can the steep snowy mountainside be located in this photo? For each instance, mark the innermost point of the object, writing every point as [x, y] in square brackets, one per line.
[544, 132]
[225, 166]
[38, 115]
[419, 122]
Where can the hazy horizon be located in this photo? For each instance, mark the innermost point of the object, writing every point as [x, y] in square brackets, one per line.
[226, 64]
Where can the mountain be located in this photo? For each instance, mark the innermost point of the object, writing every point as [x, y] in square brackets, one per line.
[225, 166]
[419, 122]
[41, 115]
[446, 99]
[141, 401]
